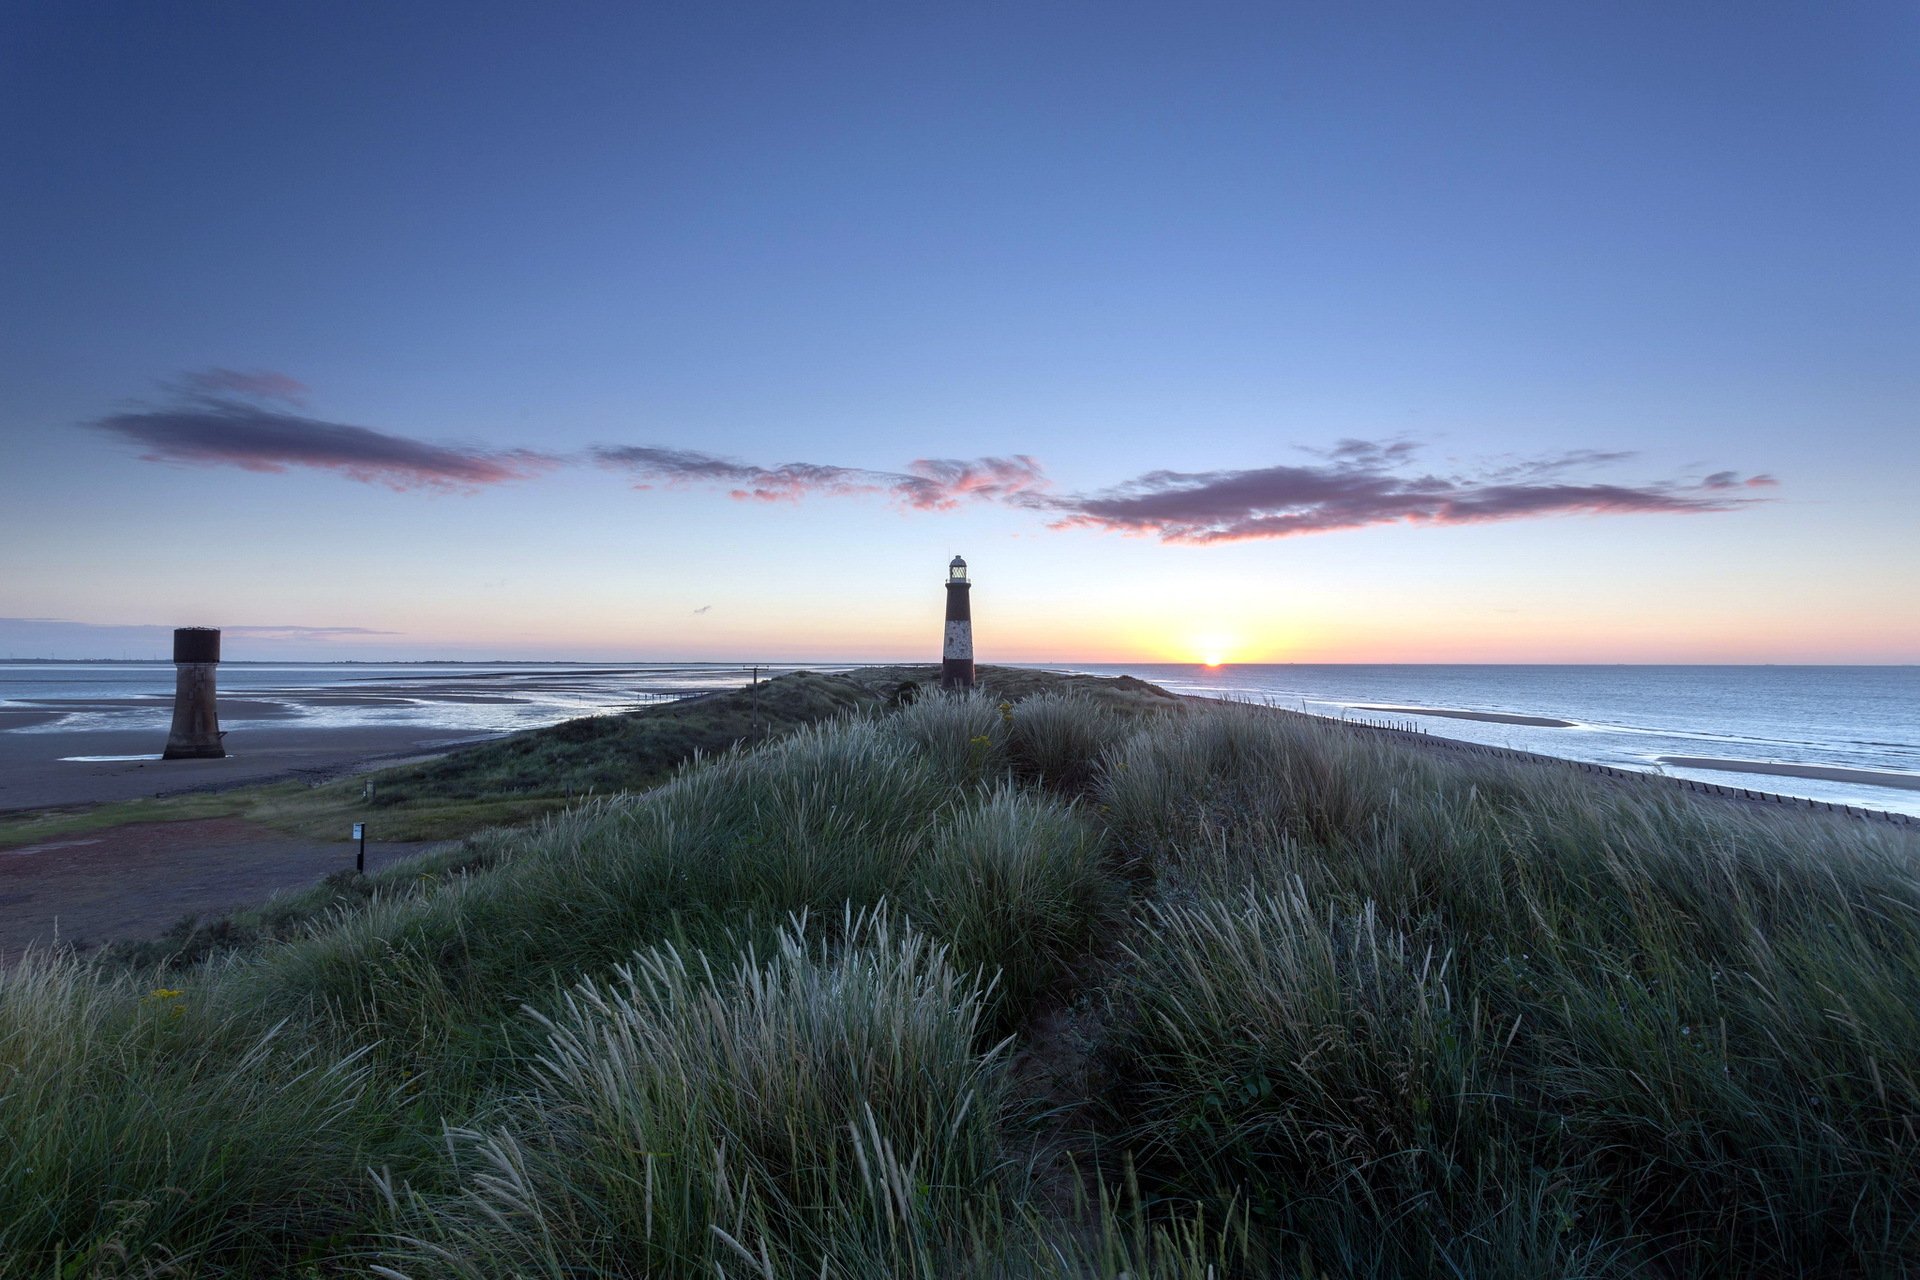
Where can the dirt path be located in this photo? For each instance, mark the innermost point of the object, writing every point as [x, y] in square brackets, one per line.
[134, 881]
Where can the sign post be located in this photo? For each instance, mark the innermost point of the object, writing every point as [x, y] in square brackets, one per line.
[360, 834]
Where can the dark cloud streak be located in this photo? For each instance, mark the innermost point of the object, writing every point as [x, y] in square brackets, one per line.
[205, 428]
[1359, 487]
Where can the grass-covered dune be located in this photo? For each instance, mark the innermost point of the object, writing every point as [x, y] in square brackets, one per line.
[540, 771]
[1073, 983]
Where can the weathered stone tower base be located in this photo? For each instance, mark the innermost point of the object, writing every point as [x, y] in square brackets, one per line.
[196, 715]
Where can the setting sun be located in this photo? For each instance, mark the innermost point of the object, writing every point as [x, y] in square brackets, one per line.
[1213, 650]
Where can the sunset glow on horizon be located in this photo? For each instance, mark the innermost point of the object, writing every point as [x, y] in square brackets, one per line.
[1223, 336]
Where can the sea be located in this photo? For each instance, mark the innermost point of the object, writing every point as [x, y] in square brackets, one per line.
[1633, 717]
[1630, 717]
[476, 698]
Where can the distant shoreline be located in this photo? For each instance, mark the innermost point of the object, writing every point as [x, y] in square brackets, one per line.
[276, 730]
[163, 661]
[1064, 664]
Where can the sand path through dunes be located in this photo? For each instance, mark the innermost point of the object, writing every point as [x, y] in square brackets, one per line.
[132, 882]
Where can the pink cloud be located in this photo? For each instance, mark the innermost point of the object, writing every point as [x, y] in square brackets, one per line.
[928, 484]
[1361, 487]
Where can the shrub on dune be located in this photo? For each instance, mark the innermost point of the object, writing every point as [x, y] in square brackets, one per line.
[1353, 1007]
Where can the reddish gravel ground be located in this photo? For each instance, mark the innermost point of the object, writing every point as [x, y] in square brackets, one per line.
[134, 881]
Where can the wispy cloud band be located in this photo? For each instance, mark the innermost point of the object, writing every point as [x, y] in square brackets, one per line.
[221, 417]
[927, 484]
[1363, 484]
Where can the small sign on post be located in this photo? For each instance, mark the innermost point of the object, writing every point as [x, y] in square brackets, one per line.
[360, 860]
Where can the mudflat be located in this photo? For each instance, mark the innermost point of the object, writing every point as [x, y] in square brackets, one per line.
[37, 771]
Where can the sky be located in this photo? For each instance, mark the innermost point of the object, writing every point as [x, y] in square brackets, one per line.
[1256, 333]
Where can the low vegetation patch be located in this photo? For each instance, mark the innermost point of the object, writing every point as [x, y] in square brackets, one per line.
[507, 781]
[1339, 1006]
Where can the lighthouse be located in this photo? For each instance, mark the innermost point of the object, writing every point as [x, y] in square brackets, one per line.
[196, 718]
[956, 656]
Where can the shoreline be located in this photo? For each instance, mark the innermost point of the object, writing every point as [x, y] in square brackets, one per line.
[1857, 806]
[1763, 800]
[38, 773]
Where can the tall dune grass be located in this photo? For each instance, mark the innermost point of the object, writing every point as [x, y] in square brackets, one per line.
[1017, 885]
[146, 1129]
[390, 1014]
[824, 1111]
[1340, 1007]
[962, 737]
[828, 816]
[1058, 739]
[1505, 1019]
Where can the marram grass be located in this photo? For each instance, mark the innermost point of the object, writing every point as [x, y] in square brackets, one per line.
[1329, 1005]
[1503, 1020]
[815, 1112]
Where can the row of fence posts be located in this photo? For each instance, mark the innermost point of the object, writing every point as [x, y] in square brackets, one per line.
[1370, 722]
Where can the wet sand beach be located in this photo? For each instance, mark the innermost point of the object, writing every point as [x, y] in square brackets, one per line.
[1491, 717]
[1824, 773]
[131, 881]
[277, 728]
[36, 770]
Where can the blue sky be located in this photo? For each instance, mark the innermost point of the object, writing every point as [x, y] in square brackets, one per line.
[1625, 300]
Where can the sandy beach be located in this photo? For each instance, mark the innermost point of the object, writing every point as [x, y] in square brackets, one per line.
[1822, 772]
[1490, 717]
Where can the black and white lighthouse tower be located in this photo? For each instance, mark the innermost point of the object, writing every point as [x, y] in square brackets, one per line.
[956, 656]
